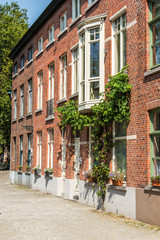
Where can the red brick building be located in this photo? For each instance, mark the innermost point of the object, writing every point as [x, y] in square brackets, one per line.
[68, 53]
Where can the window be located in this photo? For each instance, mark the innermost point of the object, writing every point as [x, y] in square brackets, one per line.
[39, 148]
[22, 62]
[63, 22]
[50, 148]
[51, 33]
[51, 81]
[21, 150]
[155, 142]
[75, 9]
[30, 54]
[90, 2]
[119, 43]
[14, 148]
[75, 70]
[154, 25]
[119, 149]
[40, 80]
[15, 68]
[15, 104]
[91, 63]
[40, 45]
[30, 96]
[63, 76]
[29, 149]
[22, 101]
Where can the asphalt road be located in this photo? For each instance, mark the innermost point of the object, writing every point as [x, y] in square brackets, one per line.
[30, 215]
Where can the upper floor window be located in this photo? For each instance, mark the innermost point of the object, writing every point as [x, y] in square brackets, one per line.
[15, 104]
[90, 2]
[154, 25]
[119, 43]
[15, 68]
[40, 44]
[30, 96]
[51, 33]
[63, 76]
[75, 9]
[40, 81]
[63, 22]
[75, 83]
[22, 101]
[22, 61]
[30, 54]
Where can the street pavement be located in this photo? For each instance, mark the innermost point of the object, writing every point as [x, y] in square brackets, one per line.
[32, 215]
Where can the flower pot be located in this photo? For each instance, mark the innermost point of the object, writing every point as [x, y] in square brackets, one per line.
[47, 174]
[20, 169]
[155, 183]
[117, 182]
[37, 171]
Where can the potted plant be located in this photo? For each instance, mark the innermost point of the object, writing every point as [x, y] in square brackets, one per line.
[28, 168]
[48, 171]
[88, 175]
[117, 177]
[37, 170]
[155, 181]
[20, 168]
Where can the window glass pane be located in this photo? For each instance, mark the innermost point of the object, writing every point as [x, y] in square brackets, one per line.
[156, 32]
[156, 141]
[120, 129]
[94, 90]
[94, 59]
[156, 54]
[156, 8]
[120, 154]
[124, 48]
[83, 91]
[118, 53]
[156, 121]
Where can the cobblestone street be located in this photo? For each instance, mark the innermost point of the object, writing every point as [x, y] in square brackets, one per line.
[29, 215]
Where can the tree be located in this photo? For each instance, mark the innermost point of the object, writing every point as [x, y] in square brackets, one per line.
[13, 25]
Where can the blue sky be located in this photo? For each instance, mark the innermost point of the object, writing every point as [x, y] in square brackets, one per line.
[34, 7]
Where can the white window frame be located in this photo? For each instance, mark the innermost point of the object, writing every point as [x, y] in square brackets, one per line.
[85, 29]
[15, 68]
[21, 150]
[50, 147]
[76, 3]
[39, 148]
[15, 104]
[63, 71]
[75, 60]
[63, 23]
[51, 34]
[30, 54]
[22, 101]
[40, 44]
[30, 96]
[91, 1]
[114, 34]
[22, 62]
[51, 82]
[40, 89]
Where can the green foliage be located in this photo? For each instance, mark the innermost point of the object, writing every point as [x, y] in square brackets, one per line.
[156, 178]
[114, 106]
[13, 24]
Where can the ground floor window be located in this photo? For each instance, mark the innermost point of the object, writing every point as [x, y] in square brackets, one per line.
[39, 148]
[21, 150]
[50, 148]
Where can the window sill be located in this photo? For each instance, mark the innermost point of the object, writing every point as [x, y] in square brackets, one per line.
[15, 75]
[38, 54]
[74, 95]
[30, 62]
[62, 100]
[61, 33]
[14, 120]
[91, 184]
[38, 110]
[27, 173]
[19, 172]
[91, 5]
[152, 71]
[51, 117]
[118, 188]
[50, 43]
[86, 106]
[29, 114]
[152, 190]
[75, 20]
[21, 118]
[21, 70]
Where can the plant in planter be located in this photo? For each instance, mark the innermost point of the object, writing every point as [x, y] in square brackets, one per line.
[48, 171]
[20, 168]
[37, 170]
[117, 177]
[28, 168]
[155, 181]
[88, 175]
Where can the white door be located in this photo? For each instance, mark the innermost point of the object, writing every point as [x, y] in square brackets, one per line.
[76, 165]
[63, 165]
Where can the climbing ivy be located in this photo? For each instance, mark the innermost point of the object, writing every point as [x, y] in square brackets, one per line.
[113, 106]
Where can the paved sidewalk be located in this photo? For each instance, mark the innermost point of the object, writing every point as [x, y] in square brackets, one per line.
[30, 215]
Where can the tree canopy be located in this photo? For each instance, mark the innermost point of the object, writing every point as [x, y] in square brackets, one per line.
[13, 25]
